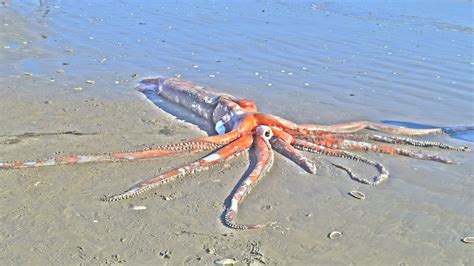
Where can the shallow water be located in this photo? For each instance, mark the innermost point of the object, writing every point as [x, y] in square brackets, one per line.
[321, 62]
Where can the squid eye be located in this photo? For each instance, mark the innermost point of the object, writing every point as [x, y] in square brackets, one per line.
[220, 127]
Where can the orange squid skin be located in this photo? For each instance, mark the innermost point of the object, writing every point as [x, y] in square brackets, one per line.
[240, 126]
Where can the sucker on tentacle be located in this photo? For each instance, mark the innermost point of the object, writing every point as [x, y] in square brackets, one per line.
[190, 146]
[311, 147]
[415, 142]
[239, 125]
[348, 143]
[227, 152]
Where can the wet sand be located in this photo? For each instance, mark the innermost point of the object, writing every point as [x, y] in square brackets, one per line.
[337, 62]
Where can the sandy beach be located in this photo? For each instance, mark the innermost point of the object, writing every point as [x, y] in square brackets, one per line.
[67, 77]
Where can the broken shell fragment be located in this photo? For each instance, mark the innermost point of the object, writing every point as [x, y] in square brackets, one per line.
[335, 235]
[468, 240]
[357, 194]
[225, 262]
[90, 81]
[139, 208]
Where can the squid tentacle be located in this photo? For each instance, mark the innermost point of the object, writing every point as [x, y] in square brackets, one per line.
[359, 145]
[264, 162]
[360, 125]
[342, 143]
[415, 142]
[382, 138]
[195, 145]
[311, 147]
[293, 154]
[229, 151]
[189, 146]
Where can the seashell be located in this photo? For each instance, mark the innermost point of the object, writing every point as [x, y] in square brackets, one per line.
[335, 235]
[468, 240]
[357, 194]
[90, 81]
[139, 208]
[225, 262]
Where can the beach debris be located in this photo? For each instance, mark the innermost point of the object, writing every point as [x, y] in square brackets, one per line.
[334, 235]
[139, 208]
[165, 254]
[357, 194]
[29, 74]
[78, 88]
[211, 75]
[44, 36]
[69, 50]
[468, 240]
[165, 197]
[116, 259]
[48, 102]
[211, 251]
[90, 81]
[226, 261]
[60, 71]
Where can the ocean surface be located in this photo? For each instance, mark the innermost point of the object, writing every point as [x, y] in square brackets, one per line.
[308, 61]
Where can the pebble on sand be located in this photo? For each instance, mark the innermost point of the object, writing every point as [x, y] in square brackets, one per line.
[335, 235]
[468, 240]
[139, 208]
[357, 194]
[225, 262]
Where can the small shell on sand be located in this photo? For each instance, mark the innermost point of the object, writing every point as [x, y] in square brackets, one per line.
[357, 194]
[335, 235]
[139, 208]
[28, 74]
[225, 262]
[468, 240]
[90, 81]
